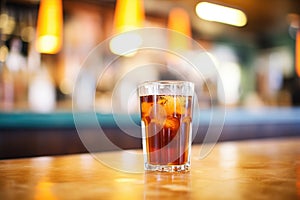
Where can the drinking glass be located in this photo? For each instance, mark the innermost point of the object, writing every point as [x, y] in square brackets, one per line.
[166, 123]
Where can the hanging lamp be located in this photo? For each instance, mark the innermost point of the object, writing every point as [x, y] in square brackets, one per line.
[49, 26]
[179, 21]
[297, 53]
[129, 15]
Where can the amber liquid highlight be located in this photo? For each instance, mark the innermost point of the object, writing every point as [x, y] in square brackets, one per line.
[166, 126]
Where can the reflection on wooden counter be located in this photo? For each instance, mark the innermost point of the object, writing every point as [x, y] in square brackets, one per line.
[256, 169]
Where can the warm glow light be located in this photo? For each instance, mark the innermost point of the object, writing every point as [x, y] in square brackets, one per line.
[125, 44]
[298, 180]
[48, 44]
[44, 190]
[179, 21]
[230, 75]
[222, 14]
[41, 93]
[297, 52]
[129, 14]
[49, 26]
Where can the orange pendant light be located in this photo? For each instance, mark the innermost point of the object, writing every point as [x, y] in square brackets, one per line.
[297, 53]
[129, 14]
[49, 26]
[179, 21]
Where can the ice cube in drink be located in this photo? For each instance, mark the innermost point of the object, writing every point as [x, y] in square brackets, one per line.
[166, 129]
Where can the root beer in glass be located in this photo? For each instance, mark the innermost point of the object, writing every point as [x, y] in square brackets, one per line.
[166, 121]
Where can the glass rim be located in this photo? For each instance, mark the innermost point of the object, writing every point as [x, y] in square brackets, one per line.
[167, 82]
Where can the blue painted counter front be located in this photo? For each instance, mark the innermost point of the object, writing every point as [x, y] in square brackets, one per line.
[24, 134]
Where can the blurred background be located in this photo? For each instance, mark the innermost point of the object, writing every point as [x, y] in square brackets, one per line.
[44, 43]
[257, 57]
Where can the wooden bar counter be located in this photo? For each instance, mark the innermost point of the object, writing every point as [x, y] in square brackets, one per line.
[253, 169]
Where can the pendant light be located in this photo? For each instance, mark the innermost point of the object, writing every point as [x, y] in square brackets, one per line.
[129, 15]
[297, 53]
[49, 26]
[179, 22]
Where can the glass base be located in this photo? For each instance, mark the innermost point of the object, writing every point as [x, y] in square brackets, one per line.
[168, 168]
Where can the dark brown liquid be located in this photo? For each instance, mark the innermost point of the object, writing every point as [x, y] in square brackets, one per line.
[167, 127]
